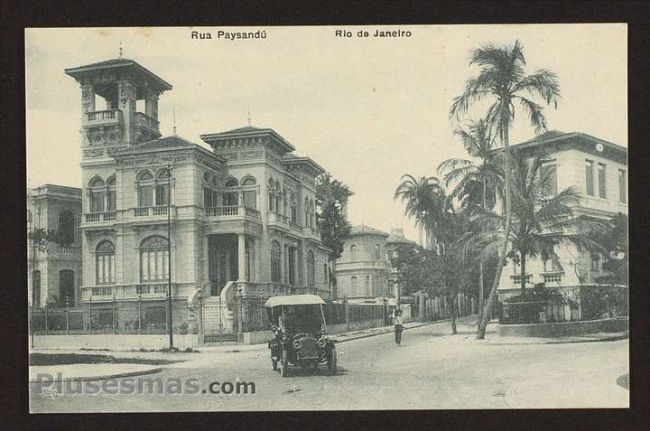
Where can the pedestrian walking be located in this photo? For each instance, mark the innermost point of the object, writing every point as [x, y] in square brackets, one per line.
[398, 327]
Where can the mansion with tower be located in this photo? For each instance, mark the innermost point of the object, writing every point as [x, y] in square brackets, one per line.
[240, 219]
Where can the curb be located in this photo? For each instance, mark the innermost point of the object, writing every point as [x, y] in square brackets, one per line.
[617, 337]
[107, 376]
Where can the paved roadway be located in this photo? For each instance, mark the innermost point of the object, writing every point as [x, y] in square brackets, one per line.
[431, 370]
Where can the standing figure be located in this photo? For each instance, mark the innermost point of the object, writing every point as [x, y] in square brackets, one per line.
[398, 327]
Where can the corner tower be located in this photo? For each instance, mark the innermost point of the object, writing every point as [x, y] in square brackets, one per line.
[118, 85]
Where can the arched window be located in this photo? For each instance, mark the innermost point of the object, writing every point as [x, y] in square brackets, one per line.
[307, 212]
[65, 231]
[249, 193]
[354, 286]
[105, 263]
[145, 189]
[97, 191]
[111, 201]
[232, 182]
[312, 214]
[353, 253]
[285, 202]
[163, 187]
[154, 259]
[276, 262]
[249, 181]
[294, 208]
[311, 269]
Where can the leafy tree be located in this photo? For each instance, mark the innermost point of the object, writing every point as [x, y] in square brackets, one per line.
[540, 222]
[502, 80]
[331, 198]
[475, 183]
[425, 201]
[615, 244]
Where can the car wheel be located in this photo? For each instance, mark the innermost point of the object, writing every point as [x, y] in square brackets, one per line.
[331, 362]
[284, 363]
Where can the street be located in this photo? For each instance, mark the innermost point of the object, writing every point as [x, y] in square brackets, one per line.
[431, 370]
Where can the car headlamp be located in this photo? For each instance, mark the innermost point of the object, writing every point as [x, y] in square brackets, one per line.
[322, 342]
[296, 344]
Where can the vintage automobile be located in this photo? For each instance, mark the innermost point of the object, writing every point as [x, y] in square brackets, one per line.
[299, 334]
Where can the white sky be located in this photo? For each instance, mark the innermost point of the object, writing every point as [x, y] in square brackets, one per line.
[366, 109]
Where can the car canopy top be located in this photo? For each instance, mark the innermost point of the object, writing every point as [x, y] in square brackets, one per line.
[276, 301]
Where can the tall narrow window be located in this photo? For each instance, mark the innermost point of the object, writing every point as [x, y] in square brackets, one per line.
[377, 252]
[145, 189]
[97, 191]
[589, 176]
[354, 286]
[162, 187]
[249, 193]
[154, 259]
[272, 197]
[622, 186]
[294, 208]
[602, 187]
[306, 212]
[353, 253]
[276, 262]
[311, 269]
[595, 262]
[36, 288]
[65, 231]
[549, 178]
[105, 263]
[325, 273]
[66, 288]
[111, 197]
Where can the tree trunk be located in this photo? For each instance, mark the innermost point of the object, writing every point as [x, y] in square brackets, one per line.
[480, 334]
[454, 298]
[481, 281]
[523, 272]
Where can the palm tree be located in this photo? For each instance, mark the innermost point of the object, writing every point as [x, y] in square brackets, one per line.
[474, 182]
[503, 80]
[425, 199]
[540, 222]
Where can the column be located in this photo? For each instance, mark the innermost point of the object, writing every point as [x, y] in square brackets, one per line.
[126, 103]
[241, 256]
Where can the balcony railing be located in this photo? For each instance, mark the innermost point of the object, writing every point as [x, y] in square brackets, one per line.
[99, 217]
[152, 211]
[232, 211]
[517, 278]
[102, 291]
[295, 225]
[107, 116]
[69, 249]
[146, 289]
[553, 277]
[142, 119]
[154, 290]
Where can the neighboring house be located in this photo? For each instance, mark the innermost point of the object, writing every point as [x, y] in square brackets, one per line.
[598, 169]
[242, 212]
[363, 271]
[54, 274]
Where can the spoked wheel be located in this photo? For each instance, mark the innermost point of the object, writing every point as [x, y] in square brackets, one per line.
[284, 363]
[331, 362]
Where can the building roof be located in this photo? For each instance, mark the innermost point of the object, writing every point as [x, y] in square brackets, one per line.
[367, 230]
[293, 159]
[156, 81]
[166, 143]
[557, 136]
[397, 239]
[248, 131]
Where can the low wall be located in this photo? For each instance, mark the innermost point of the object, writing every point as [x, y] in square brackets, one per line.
[114, 341]
[563, 329]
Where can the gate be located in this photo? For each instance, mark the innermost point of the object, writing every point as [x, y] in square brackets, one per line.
[217, 321]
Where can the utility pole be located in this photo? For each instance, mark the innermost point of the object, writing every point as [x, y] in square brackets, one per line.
[170, 320]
